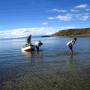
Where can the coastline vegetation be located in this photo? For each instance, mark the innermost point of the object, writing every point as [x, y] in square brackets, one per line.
[73, 32]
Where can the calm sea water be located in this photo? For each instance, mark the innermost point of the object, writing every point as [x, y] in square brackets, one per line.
[53, 57]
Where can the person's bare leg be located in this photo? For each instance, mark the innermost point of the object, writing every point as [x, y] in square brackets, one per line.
[71, 51]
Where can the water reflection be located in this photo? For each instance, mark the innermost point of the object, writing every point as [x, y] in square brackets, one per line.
[28, 55]
[34, 57]
[72, 65]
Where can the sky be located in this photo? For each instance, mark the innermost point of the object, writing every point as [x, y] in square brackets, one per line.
[44, 16]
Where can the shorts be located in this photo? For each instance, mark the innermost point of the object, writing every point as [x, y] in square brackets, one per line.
[70, 47]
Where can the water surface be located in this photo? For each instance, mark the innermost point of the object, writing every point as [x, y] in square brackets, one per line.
[53, 68]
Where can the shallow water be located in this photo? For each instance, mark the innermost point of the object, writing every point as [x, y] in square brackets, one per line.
[52, 68]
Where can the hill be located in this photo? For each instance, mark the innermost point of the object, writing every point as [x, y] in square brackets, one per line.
[73, 32]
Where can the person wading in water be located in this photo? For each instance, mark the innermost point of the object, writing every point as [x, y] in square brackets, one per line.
[38, 44]
[70, 44]
[29, 39]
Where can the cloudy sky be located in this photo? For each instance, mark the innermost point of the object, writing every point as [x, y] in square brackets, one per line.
[43, 16]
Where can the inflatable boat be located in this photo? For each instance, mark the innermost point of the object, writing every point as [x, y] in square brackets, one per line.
[28, 48]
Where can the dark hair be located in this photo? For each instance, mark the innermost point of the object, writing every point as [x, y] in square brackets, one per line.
[75, 39]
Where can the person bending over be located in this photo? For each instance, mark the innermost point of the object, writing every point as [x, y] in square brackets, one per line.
[70, 44]
[38, 44]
